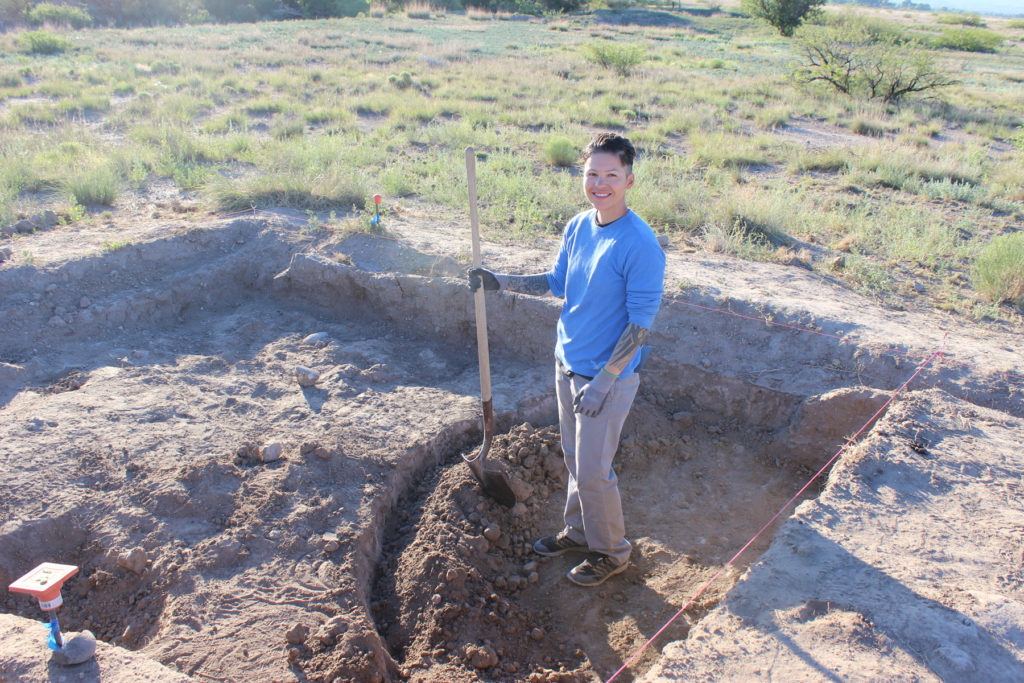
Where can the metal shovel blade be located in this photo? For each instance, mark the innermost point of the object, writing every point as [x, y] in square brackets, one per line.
[494, 481]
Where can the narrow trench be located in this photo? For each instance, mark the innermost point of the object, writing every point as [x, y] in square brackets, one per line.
[459, 595]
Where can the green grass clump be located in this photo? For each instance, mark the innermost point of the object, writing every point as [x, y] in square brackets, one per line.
[1015, 23]
[962, 19]
[871, 129]
[771, 118]
[968, 40]
[622, 59]
[43, 43]
[303, 190]
[559, 151]
[58, 15]
[418, 10]
[716, 63]
[401, 81]
[998, 271]
[264, 107]
[288, 129]
[94, 184]
[829, 159]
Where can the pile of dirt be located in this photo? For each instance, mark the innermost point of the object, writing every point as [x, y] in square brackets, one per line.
[458, 594]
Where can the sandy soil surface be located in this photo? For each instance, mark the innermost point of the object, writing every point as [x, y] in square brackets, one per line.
[232, 523]
[910, 565]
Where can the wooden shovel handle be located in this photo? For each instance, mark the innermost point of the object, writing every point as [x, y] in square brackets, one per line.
[478, 298]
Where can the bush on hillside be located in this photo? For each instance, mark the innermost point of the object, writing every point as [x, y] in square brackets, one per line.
[13, 11]
[962, 19]
[785, 15]
[998, 271]
[876, 29]
[968, 40]
[559, 151]
[43, 43]
[622, 58]
[232, 10]
[856, 63]
[58, 15]
[313, 9]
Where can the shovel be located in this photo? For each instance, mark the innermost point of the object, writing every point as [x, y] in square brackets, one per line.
[494, 481]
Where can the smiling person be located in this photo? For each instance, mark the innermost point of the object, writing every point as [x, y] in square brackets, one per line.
[610, 271]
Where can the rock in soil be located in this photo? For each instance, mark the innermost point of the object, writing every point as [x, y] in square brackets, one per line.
[135, 560]
[77, 649]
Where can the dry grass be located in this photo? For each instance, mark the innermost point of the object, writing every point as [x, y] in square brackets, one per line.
[737, 157]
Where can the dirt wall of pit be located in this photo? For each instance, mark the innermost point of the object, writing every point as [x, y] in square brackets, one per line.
[153, 283]
[706, 366]
[702, 368]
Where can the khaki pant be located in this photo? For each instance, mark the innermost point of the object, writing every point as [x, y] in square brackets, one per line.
[593, 509]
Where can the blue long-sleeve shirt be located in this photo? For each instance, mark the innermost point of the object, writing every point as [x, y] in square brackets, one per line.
[609, 276]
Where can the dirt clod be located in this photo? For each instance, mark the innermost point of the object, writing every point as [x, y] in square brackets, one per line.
[306, 377]
[296, 635]
[134, 560]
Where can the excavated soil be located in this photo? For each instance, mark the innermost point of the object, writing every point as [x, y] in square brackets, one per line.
[460, 595]
[234, 521]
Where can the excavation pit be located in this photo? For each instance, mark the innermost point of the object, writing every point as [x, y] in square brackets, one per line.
[140, 421]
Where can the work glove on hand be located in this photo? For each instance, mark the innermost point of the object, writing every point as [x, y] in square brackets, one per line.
[589, 400]
[491, 281]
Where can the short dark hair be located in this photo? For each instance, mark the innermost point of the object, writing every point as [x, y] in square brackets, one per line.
[612, 143]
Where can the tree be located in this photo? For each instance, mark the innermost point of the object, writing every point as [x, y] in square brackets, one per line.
[785, 15]
[862, 63]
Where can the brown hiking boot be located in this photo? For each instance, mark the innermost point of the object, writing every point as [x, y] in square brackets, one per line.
[595, 570]
[550, 546]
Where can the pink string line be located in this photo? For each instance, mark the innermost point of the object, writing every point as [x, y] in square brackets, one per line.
[849, 441]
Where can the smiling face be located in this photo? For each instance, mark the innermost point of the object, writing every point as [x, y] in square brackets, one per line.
[605, 181]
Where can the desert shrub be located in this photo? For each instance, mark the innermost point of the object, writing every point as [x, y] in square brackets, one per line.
[871, 129]
[858, 63]
[91, 185]
[559, 151]
[962, 19]
[43, 43]
[330, 8]
[715, 63]
[1018, 139]
[771, 118]
[13, 11]
[418, 10]
[998, 271]
[58, 15]
[1015, 23]
[283, 130]
[232, 10]
[622, 58]
[401, 81]
[968, 40]
[877, 30]
[784, 15]
[351, 8]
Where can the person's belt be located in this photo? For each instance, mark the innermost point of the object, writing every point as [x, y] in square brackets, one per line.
[569, 373]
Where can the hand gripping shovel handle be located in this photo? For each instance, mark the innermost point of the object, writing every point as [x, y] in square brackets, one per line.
[494, 482]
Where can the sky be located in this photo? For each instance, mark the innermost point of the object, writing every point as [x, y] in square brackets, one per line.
[1012, 7]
